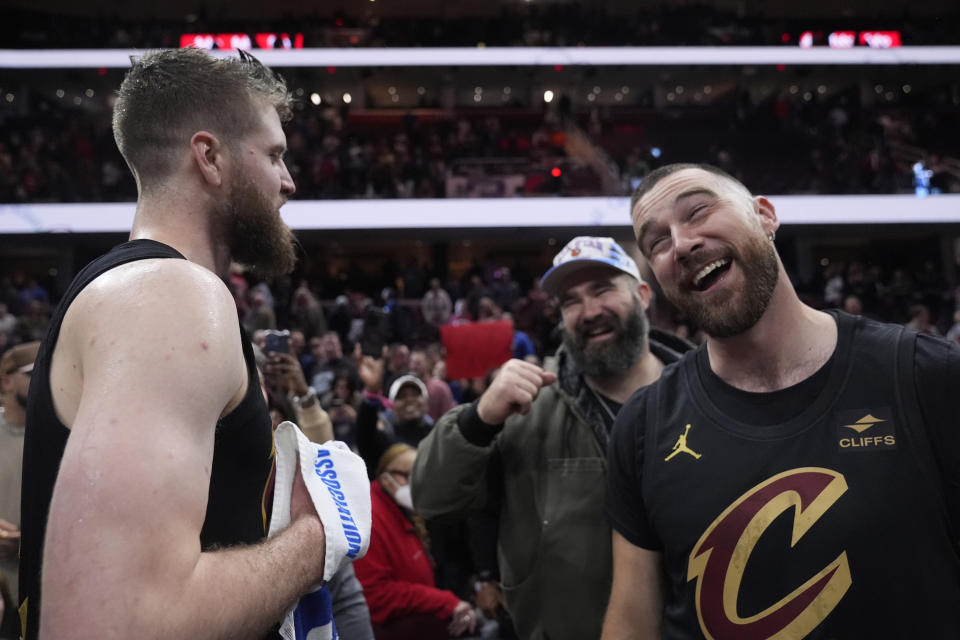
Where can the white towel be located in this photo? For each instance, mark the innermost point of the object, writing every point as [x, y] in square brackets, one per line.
[336, 479]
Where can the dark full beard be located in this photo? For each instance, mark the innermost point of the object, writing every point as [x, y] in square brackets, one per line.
[611, 357]
[740, 312]
[255, 233]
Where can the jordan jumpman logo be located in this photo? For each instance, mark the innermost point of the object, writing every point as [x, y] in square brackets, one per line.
[681, 446]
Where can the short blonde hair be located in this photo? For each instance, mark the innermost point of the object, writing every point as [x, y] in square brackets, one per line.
[169, 95]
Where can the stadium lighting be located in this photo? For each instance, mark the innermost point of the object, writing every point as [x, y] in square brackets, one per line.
[548, 96]
[347, 98]
[315, 99]
[508, 56]
[434, 213]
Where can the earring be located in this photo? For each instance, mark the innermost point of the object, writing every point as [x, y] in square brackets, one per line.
[773, 236]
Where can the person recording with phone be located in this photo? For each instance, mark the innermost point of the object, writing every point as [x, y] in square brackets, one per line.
[284, 379]
[350, 613]
[341, 404]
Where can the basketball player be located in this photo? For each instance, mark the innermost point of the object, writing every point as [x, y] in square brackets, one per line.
[148, 438]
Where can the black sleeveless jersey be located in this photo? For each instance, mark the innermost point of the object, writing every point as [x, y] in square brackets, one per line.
[242, 456]
[831, 524]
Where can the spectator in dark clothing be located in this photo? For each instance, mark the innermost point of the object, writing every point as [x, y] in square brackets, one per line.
[406, 423]
[505, 290]
[477, 291]
[307, 312]
[330, 362]
[32, 325]
[398, 363]
[341, 404]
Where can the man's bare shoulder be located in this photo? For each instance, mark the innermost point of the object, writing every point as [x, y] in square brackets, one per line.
[159, 280]
[153, 312]
[154, 288]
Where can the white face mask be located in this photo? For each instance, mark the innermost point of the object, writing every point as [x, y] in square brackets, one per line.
[401, 495]
[404, 498]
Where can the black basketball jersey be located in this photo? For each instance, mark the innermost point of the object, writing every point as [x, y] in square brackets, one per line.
[831, 524]
[242, 456]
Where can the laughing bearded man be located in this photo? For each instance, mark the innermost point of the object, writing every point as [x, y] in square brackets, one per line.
[796, 475]
[533, 447]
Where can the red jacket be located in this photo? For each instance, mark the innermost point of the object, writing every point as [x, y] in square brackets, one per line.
[396, 573]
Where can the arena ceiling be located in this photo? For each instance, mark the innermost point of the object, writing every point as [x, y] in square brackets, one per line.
[253, 9]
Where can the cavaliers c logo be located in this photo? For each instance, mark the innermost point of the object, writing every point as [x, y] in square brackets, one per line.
[720, 556]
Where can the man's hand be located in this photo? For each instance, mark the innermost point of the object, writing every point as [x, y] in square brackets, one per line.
[370, 370]
[463, 619]
[343, 413]
[9, 540]
[301, 504]
[285, 370]
[513, 391]
[490, 599]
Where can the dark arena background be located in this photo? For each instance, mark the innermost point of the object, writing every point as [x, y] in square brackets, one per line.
[448, 139]
[461, 144]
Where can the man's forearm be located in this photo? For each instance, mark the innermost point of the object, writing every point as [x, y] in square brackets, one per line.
[239, 592]
[631, 617]
[242, 592]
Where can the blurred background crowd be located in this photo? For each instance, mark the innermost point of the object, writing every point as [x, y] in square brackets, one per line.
[564, 131]
[433, 132]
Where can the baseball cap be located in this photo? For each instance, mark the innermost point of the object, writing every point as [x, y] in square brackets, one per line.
[583, 252]
[19, 358]
[403, 381]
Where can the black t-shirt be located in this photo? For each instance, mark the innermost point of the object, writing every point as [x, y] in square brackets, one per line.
[868, 445]
[610, 408]
[761, 409]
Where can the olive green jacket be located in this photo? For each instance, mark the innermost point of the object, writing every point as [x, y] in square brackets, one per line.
[547, 472]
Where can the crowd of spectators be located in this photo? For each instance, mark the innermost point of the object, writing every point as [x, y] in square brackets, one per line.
[329, 316]
[49, 153]
[52, 154]
[558, 24]
[825, 144]
[326, 365]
